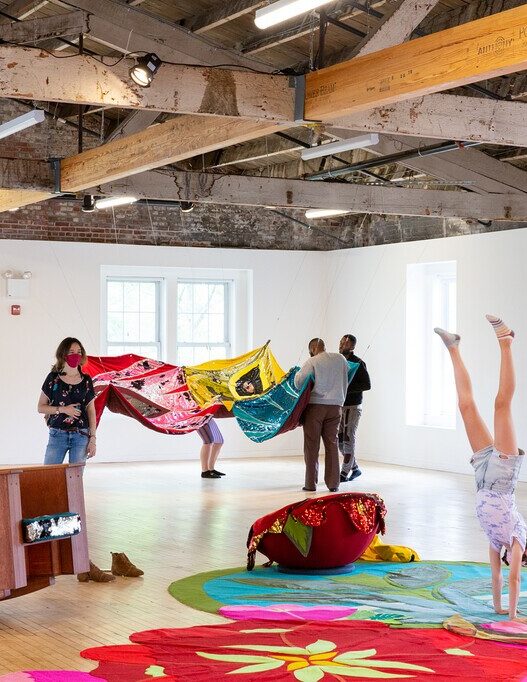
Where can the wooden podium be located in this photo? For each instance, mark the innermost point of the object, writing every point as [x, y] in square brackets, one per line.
[26, 492]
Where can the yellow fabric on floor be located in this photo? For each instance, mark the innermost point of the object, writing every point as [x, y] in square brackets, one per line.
[378, 551]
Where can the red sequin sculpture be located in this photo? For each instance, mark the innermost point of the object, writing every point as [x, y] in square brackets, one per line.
[319, 533]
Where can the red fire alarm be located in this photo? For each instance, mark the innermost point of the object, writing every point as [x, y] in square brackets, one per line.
[15, 310]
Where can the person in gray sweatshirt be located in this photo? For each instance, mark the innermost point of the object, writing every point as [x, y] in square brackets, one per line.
[329, 373]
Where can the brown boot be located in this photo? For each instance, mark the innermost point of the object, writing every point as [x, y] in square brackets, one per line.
[95, 574]
[121, 565]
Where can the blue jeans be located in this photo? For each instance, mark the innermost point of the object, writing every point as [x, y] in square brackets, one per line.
[60, 442]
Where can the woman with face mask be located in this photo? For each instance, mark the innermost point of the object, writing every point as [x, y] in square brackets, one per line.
[67, 401]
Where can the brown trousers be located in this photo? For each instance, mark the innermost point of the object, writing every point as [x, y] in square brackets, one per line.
[322, 421]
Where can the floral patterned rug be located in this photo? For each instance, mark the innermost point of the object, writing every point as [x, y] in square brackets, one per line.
[422, 594]
[306, 652]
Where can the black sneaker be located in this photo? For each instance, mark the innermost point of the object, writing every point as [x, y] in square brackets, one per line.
[344, 477]
[309, 490]
[209, 474]
[220, 473]
[355, 474]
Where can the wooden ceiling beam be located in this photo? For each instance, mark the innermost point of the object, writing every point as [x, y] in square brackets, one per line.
[346, 9]
[36, 30]
[445, 117]
[471, 168]
[180, 138]
[30, 74]
[132, 29]
[396, 27]
[16, 198]
[286, 193]
[406, 16]
[132, 123]
[20, 9]
[214, 18]
[26, 174]
[485, 48]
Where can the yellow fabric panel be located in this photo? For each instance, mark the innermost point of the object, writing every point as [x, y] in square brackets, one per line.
[377, 551]
[234, 379]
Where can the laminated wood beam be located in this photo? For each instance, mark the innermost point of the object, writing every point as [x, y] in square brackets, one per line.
[489, 47]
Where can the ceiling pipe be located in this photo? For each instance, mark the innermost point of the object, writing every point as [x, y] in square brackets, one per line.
[392, 158]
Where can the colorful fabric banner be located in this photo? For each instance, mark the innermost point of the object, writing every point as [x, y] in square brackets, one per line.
[276, 411]
[234, 379]
[152, 392]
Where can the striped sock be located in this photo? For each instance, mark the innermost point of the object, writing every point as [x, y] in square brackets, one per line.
[448, 338]
[499, 326]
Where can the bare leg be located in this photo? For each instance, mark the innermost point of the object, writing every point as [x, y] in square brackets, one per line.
[504, 432]
[477, 433]
[515, 580]
[204, 455]
[214, 453]
[497, 580]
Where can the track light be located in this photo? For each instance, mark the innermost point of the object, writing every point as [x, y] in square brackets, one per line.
[284, 10]
[186, 206]
[114, 201]
[313, 213]
[88, 203]
[27, 274]
[359, 142]
[144, 70]
[21, 123]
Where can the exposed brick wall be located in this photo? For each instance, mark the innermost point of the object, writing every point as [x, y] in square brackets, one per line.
[228, 227]
[216, 226]
[207, 225]
[48, 139]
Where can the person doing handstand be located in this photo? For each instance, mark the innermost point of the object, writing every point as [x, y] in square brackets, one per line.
[496, 463]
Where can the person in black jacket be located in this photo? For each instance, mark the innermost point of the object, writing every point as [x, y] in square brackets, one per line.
[352, 410]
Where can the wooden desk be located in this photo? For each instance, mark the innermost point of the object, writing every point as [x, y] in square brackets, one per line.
[26, 492]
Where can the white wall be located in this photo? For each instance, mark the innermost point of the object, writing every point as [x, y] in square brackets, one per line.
[289, 307]
[368, 300]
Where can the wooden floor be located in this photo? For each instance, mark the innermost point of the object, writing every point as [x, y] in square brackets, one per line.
[172, 523]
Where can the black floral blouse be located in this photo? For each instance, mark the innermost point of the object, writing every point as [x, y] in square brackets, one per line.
[60, 393]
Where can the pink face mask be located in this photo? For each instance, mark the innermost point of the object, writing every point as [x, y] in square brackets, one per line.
[73, 359]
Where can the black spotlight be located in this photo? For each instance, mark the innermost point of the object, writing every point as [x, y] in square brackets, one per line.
[186, 206]
[88, 203]
[145, 69]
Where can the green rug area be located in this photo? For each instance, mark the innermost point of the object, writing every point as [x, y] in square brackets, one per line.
[422, 594]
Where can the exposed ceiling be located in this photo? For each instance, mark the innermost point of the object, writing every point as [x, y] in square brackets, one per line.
[225, 34]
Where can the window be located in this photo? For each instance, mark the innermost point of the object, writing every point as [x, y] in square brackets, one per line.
[203, 321]
[133, 317]
[430, 302]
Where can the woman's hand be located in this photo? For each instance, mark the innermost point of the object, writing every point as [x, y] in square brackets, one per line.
[92, 448]
[71, 410]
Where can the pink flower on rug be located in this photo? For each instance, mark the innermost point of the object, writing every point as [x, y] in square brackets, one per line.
[285, 612]
[508, 627]
[62, 676]
[50, 676]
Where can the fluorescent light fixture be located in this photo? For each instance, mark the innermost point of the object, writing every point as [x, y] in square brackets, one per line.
[21, 123]
[313, 213]
[341, 146]
[114, 201]
[284, 10]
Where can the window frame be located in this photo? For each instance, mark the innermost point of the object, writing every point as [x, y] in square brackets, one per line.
[429, 305]
[159, 344]
[228, 322]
